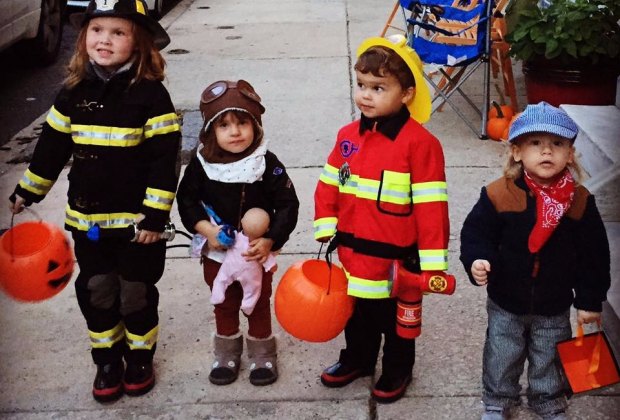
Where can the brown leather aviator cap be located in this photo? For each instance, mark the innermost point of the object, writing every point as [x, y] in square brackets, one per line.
[226, 95]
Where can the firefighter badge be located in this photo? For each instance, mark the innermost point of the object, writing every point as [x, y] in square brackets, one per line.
[344, 173]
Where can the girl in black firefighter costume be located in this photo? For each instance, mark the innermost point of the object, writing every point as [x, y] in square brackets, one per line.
[232, 172]
[382, 197]
[536, 240]
[115, 118]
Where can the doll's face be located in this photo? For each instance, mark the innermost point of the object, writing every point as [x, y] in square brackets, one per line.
[380, 96]
[233, 134]
[544, 156]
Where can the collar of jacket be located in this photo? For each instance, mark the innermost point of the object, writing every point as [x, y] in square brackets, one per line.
[389, 126]
[95, 71]
[520, 182]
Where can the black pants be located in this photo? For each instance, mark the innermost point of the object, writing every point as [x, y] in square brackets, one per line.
[371, 318]
[117, 295]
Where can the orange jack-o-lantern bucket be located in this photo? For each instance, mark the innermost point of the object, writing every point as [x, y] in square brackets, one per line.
[36, 261]
[311, 301]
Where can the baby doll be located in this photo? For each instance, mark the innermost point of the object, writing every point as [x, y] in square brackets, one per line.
[235, 267]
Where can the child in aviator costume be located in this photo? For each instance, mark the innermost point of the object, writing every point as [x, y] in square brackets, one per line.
[382, 193]
[232, 172]
[115, 118]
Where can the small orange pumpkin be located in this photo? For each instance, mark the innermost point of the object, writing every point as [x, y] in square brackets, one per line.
[311, 301]
[505, 110]
[506, 132]
[36, 261]
[496, 125]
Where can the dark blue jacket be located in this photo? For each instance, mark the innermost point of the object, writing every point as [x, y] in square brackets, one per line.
[573, 265]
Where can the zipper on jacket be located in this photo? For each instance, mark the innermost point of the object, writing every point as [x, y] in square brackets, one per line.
[533, 275]
[536, 266]
[241, 202]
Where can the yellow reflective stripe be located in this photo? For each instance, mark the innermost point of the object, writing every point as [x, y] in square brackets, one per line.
[158, 199]
[161, 124]
[97, 135]
[142, 342]
[425, 192]
[396, 188]
[392, 177]
[329, 175]
[325, 227]
[366, 188]
[434, 259]
[351, 186]
[35, 184]
[107, 338]
[370, 289]
[83, 221]
[58, 121]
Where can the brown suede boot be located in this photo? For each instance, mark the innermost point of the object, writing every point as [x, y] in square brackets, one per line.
[263, 360]
[227, 351]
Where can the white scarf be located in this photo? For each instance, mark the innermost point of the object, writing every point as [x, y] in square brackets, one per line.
[247, 170]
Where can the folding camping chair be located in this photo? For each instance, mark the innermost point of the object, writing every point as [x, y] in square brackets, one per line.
[453, 39]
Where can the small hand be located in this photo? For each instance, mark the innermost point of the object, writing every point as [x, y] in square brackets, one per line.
[587, 317]
[147, 236]
[209, 231]
[258, 250]
[480, 270]
[324, 239]
[18, 206]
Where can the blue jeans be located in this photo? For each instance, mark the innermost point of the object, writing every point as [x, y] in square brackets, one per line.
[511, 339]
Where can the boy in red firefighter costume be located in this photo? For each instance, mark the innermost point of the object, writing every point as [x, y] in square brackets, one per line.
[382, 197]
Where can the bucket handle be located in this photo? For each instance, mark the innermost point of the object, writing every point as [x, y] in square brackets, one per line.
[12, 244]
[330, 248]
[596, 352]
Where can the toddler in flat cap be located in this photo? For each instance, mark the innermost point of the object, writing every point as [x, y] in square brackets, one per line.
[536, 239]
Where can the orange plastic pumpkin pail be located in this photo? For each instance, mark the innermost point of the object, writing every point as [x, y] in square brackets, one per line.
[36, 261]
[311, 301]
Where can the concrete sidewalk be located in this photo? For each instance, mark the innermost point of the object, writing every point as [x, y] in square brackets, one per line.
[298, 55]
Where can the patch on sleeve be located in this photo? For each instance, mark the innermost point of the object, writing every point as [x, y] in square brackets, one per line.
[347, 148]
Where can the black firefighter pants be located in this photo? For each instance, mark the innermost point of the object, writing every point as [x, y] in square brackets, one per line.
[371, 318]
[117, 295]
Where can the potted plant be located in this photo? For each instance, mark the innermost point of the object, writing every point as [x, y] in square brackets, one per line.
[570, 49]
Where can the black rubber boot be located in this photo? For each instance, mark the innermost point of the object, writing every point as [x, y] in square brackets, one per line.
[139, 378]
[107, 386]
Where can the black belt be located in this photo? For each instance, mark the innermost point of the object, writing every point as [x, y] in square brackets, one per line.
[372, 248]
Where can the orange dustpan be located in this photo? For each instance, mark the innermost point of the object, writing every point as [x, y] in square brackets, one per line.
[588, 361]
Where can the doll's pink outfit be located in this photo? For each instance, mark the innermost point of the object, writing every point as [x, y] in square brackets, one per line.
[248, 273]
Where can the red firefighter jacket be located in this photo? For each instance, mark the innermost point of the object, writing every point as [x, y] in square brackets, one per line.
[385, 199]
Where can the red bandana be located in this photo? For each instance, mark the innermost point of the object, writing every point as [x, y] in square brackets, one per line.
[552, 202]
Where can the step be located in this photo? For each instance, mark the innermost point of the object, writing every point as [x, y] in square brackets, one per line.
[598, 142]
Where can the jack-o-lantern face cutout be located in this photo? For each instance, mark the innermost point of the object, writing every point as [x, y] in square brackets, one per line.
[311, 301]
[36, 261]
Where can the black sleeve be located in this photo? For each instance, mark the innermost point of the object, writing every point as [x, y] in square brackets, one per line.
[284, 201]
[163, 137]
[189, 195]
[480, 235]
[51, 153]
[594, 261]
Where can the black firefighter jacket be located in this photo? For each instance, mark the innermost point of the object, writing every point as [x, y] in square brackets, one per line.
[124, 141]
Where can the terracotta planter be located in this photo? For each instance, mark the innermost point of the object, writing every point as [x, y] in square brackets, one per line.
[545, 81]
